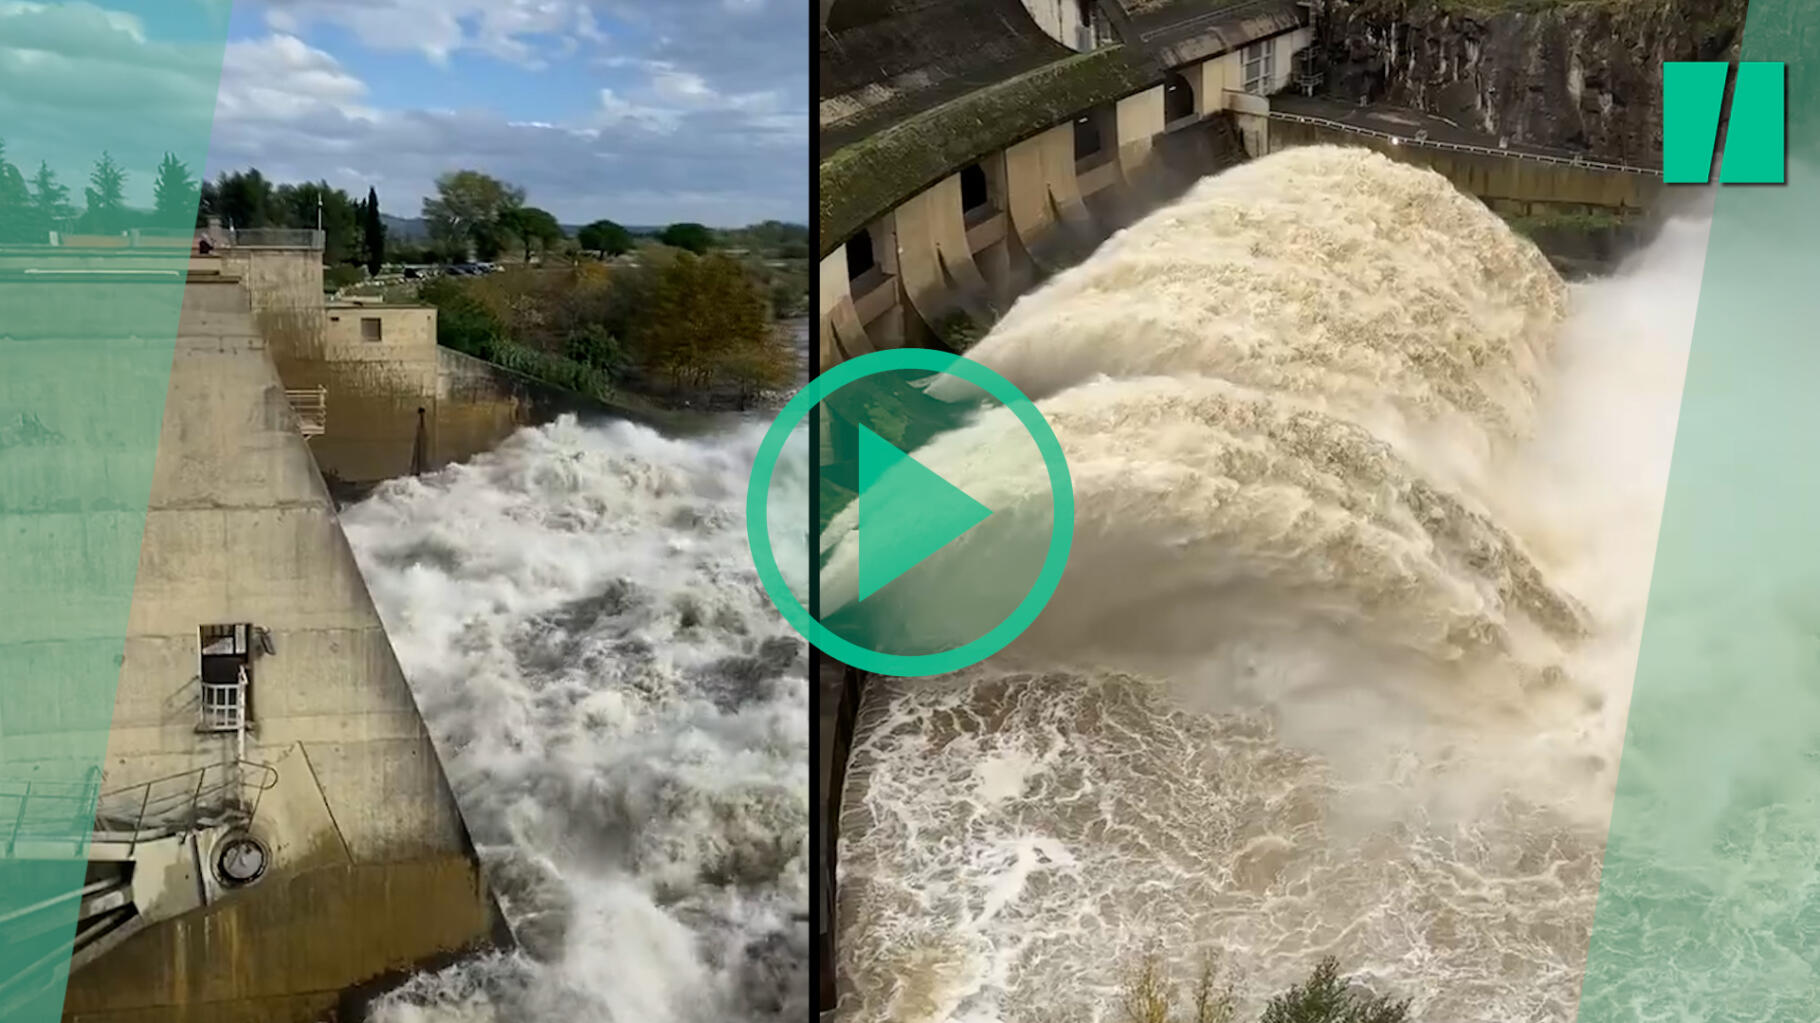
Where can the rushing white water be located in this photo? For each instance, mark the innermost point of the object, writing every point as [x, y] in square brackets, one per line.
[623, 716]
[1367, 499]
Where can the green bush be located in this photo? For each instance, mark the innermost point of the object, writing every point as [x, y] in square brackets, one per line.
[596, 346]
[462, 322]
[556, 370]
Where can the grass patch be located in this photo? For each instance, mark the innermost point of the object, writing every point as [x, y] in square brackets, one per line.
[1556, 222]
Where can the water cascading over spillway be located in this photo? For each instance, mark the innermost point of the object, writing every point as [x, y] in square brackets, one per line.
[1367, 498]
[623, 717]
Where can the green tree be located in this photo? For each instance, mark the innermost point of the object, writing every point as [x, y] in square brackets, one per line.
[688, 237]
[534, 228]
[15, 202]
[372, 232]
[606, 238]
[50, 204]
[1326, 997]
[700, 311]
[175, 195]
[245, 199]
[468, 211]
[302, 206]
[463, 322]
[106, 194]
[763, 363]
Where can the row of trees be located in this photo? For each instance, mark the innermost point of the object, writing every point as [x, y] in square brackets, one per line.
[354, 232]
[475, 215]
[472, 215]
[33, 206]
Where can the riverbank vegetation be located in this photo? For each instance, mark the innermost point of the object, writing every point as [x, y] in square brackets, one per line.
[1151, 996]
[676, 327]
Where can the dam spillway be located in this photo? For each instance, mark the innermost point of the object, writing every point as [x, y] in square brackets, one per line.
[1359, 574]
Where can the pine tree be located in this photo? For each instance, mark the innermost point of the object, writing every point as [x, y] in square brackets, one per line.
[106, 195]
[50, 202]
[373, 230]
[175, 194]
[15, 202]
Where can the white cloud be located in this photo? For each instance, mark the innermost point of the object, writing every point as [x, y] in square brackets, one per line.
[77, 79]
[670, 149]
[714, 128]
[281, 77]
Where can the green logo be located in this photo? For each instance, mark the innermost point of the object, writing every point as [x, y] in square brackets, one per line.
[920, 575]
[1693, 97]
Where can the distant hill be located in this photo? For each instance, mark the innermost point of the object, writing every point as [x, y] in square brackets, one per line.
[405, 229]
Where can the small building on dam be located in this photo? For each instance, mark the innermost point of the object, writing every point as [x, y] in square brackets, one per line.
[273, 836]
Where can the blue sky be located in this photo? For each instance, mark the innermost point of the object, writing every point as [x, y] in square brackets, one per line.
[642, 112]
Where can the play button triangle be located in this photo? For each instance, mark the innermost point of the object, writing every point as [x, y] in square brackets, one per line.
[906, 512]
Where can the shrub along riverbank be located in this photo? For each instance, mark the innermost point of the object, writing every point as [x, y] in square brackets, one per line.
[676, 329]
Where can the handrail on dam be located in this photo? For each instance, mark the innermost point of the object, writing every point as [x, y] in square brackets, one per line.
[59, 811]
[1463, 147]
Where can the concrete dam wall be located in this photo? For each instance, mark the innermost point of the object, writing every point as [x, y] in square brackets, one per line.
[1509, 184]
[259, 706]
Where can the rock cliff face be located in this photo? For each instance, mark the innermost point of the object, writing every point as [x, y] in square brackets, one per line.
[1583, 76]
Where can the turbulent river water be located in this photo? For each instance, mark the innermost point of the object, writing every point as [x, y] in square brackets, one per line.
[1367, 498]
[623, 716]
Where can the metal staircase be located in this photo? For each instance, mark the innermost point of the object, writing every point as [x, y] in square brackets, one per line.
[172, 821]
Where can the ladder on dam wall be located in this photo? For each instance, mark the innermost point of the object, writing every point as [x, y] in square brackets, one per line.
[311, 405]
[166, 826]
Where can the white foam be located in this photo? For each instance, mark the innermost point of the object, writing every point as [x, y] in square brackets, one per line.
[622, 715]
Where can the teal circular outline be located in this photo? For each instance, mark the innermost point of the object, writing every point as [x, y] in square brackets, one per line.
[758, 532]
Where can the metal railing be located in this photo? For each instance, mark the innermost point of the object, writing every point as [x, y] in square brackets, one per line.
[79, 811]
[312, 408]
[1421, 140]
[268, 238]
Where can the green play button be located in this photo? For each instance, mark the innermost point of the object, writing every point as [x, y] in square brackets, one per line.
[942, 516]
[906, 512]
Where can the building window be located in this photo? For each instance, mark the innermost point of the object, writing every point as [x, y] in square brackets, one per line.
[227, 676]
[976, 195]
[1087, 140]
[859, 255]
[1178, 99]
[1260, 67]
[370, 329]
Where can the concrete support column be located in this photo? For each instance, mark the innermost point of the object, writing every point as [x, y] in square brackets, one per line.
[1042, 196]
[1140, 121]
[841, 336]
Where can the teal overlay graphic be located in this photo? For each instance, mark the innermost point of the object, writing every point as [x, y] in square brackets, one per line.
[915, 511]
[1756, 140]
[1709, 900]
[907, 553]
[105, 117]
[1693, 98]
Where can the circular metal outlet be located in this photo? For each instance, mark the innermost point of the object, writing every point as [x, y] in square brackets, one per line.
[241, 860]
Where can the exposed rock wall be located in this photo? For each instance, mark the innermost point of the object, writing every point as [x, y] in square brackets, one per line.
[1584, 76]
